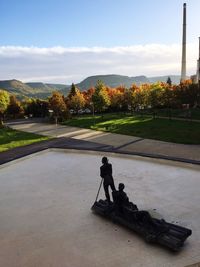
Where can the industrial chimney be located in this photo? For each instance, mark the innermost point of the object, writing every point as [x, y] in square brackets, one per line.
[183, 66]
[198, 66]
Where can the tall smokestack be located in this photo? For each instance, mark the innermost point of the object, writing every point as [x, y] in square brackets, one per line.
[183, 66]
[198, 66]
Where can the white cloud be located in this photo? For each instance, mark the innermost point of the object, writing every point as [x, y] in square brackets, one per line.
[72, 64]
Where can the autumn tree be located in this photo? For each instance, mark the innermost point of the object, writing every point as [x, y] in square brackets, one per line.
[14, 108]
[4, 102]
[100, 97]
[138, 99]
[57, 104]
[187, 93]
[77, 101]
[88, 97]
[116, 99]
[155, 95]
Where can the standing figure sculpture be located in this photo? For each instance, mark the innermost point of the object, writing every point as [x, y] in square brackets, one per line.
[106, 174]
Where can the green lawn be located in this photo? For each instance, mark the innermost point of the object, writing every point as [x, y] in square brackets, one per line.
[192, 113]
[185, 132]
[10, 138]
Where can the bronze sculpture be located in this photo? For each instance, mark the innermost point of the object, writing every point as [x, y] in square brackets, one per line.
[124, 212]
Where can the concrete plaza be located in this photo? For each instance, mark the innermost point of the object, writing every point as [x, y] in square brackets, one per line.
[46, 220]
[45, 199]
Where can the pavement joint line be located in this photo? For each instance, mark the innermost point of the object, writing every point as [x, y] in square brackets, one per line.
[108, 147]
[129, 143]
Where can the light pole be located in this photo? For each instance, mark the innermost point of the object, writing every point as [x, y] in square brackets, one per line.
[50, 113]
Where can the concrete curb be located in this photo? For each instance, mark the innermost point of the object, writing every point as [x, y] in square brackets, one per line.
[69, 143]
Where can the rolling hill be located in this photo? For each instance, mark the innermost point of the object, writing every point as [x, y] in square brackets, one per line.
[111, 80]
[16, 87]
[43, 90]
[35, 89]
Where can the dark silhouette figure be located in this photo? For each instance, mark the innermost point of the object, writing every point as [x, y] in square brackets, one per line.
[130, 211]
[121, 200]
[106, 174]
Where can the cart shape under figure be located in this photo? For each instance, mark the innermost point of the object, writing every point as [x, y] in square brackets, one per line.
[153, 230]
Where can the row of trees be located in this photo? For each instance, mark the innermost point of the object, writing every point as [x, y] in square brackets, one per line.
[157, 95]
[101, 98]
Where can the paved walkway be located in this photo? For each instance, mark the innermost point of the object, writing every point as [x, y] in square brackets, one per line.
[96, 140]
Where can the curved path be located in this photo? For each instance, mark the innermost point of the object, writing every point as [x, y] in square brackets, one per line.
[74, 137]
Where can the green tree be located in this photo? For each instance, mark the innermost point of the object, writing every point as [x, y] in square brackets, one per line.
[73, 91]
[156, 95]
[35, 107]
[168, 97]
[4, 102]
[139, 99]
[128, 99]
[169, 81]
[100, 98]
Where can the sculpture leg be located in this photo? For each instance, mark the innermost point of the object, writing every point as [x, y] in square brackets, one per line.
[112, 185]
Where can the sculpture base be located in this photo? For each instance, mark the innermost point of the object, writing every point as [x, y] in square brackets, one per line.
[155, 231]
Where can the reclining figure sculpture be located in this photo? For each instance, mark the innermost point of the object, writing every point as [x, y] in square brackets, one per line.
[126, 213]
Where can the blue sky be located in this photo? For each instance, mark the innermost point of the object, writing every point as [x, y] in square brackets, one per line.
[144, 25]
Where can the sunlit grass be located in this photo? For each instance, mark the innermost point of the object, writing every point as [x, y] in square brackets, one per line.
[11, 138]
[186, 132]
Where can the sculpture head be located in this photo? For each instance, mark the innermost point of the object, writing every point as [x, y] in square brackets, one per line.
[121, 187]
[104, 160]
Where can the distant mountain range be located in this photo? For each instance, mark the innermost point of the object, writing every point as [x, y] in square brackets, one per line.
[43, 90]
[113, 80]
